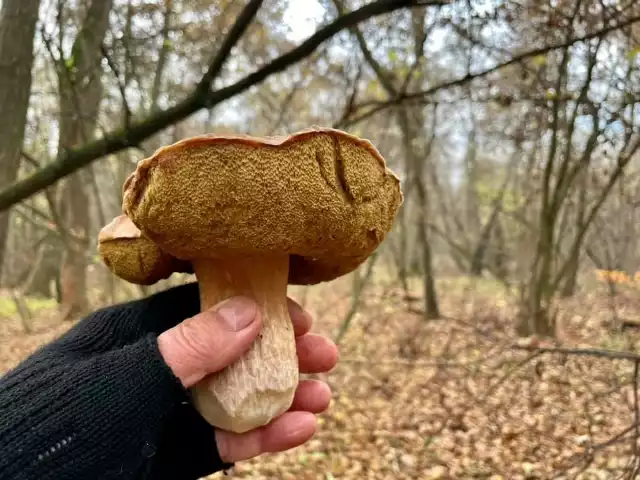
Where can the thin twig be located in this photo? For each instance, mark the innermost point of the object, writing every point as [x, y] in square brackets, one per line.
[121, 86]
[589, 352]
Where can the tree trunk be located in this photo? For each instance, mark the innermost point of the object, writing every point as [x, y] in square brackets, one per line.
[535, 317]
[73, 274]
[431, 306]
[478, 258]
[18, 19]
[571, 278]
[45, 276]
[472, 210]
[412, 131]
[500, 256]
[402, 253]
[79, 78]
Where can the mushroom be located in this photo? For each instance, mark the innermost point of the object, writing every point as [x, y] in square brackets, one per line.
[134, 257]
[253, 215]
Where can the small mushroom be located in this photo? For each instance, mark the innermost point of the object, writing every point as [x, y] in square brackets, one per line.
[253, 215]
[134, 257]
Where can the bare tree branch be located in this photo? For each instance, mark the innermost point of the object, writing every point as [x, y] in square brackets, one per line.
[203, 96]
[418, 96]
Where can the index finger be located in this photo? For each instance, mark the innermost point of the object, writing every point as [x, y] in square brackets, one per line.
[300, 318]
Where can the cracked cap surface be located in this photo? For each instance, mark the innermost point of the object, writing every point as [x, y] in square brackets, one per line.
[133, 257]
[321, 195]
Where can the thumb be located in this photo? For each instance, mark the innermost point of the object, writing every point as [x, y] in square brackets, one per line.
[211, 340]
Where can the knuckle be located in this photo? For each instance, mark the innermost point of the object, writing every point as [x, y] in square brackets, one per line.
[193, 340]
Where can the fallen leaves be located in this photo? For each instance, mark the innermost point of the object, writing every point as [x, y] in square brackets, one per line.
[449, 399]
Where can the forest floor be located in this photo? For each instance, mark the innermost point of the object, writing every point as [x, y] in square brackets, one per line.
[451, 398]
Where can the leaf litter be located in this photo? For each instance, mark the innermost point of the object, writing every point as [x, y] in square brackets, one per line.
[450, 398]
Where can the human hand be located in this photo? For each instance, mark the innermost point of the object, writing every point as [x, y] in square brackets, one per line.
[109, 398]
[210, 341]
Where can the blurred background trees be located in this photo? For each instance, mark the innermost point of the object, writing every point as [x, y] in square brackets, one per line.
[514, 126]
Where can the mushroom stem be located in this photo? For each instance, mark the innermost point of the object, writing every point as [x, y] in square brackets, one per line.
[259, 386]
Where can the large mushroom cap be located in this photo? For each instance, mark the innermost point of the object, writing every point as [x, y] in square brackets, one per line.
[133, 257]
[321, 195]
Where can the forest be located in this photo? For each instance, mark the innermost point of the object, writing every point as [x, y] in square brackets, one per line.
[495, 332]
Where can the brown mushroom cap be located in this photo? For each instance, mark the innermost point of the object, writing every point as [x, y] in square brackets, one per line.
[133, 257]
[323, 196]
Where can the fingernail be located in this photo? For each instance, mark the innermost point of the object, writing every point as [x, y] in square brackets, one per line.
[296, 307]
[237, 312]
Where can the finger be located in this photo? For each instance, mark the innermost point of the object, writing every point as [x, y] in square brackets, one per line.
[311, 396]
[287, 431]
[300, 318]
[316, 354]
[211, 340]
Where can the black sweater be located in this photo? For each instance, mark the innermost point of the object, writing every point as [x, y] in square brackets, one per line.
[100, 403]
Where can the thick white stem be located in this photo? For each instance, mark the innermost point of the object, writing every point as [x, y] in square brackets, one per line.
[260, 386]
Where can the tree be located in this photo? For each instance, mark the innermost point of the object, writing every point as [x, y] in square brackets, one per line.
[578, 130]
[79, 83]
[411, 121]
[18, 20]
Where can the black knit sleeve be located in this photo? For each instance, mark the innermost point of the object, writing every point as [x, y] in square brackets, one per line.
[100, 402]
